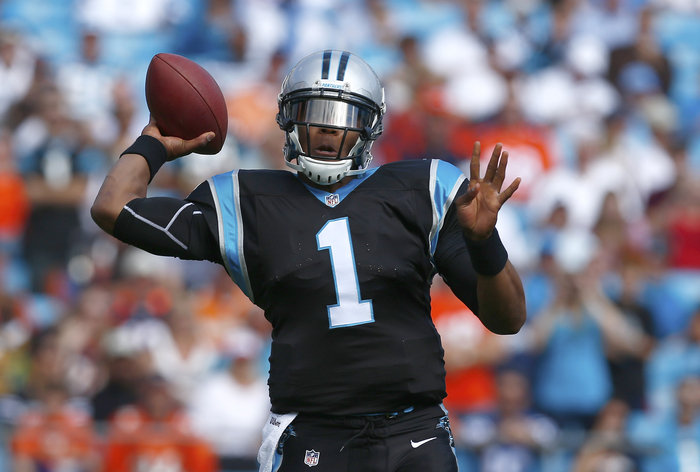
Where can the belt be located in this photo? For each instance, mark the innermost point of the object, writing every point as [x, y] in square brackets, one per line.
[390, 415]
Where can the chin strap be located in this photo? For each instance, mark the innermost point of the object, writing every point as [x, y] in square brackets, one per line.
[324, 173]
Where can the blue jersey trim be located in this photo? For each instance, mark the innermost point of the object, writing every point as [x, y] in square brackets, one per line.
[277, 461]
[343, 191]
[445, 180]
[227, 199]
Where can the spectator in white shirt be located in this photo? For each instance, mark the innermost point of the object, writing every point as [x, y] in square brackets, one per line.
[231, 407]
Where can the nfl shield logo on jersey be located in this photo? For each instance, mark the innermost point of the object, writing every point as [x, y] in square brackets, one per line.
[311, 458]
[332, 200]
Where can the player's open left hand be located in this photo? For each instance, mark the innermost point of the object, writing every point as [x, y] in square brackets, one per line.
[177, 147]
[477, 209]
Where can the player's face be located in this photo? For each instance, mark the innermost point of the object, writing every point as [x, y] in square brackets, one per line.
[324, 143]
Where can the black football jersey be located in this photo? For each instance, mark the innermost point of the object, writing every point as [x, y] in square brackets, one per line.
[344, 279]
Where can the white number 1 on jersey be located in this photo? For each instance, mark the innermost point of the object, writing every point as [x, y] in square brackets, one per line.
[350, 309]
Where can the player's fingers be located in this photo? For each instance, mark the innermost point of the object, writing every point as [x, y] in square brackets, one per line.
[500, 172]
[493, 163]
[206, 138]
[182, 147]
[200, 141]
[474, 166]
[507, 193]
[468, 196]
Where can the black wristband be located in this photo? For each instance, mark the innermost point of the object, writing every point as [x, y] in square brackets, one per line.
[152, 150]
[489, 256]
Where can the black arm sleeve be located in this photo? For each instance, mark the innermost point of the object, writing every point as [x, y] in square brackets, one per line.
[452, 259]
[172, 227]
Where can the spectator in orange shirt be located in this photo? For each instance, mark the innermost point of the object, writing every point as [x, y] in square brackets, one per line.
[251, 113]
[154, 435]
[14, 203]
[54, 436]
[471, 352]
[220, 306]
[531, 146]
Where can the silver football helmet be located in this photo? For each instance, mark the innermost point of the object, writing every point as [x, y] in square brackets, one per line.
[331, 90]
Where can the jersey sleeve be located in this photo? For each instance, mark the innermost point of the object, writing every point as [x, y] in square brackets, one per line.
[452, 259]
[166, 226]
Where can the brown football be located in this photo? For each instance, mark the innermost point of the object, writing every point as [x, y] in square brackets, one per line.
[185, 100]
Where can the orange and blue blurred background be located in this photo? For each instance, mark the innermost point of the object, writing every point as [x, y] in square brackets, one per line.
[112, 359]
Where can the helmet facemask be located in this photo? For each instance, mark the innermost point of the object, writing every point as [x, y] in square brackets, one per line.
[352, 120]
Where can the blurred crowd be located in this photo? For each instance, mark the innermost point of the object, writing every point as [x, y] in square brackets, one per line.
[115, 360]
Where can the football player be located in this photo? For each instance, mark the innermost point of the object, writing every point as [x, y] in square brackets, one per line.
[340, 256]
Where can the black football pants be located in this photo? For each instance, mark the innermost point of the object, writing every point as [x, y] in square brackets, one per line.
[418, 441]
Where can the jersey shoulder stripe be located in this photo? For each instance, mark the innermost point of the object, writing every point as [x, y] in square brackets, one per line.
[225, 189]
[445, 180]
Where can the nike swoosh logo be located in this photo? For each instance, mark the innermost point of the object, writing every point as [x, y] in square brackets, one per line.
[420, 443]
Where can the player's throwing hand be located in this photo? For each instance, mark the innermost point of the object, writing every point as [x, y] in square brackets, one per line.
[175, 146]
